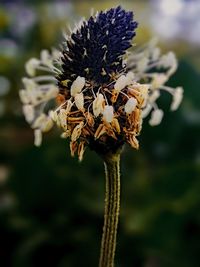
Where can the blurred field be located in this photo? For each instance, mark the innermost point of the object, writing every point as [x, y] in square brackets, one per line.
[51, 206]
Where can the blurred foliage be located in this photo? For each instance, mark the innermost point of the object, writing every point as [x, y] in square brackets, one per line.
[51, 206]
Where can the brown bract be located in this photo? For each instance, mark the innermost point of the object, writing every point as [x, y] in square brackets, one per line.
[85, 128]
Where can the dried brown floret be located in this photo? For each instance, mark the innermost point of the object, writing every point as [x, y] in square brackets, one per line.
[81, 150]
[100, 131]
[73, 147]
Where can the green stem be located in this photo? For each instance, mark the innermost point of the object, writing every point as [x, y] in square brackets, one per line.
[112, 206]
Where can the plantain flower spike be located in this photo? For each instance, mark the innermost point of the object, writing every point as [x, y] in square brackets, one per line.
[97, 86]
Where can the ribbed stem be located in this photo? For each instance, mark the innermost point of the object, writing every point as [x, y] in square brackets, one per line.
[112, 206]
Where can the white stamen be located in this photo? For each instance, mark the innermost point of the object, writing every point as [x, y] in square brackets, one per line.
[52, 92]
[152, 43]
[43, 122]
[168, 60]
[98, 105]
[29, 113]
[130, 77]
[77, 85]
[31, 66]
[24, 96]
[79, 101]
[177, 98]
[39, 122]
[38, 95]
[155, 54]
[130, 105]
[44, 78]
[121, 83]
[33, 96]
[53, 115]
[46, 58]
[47, 125]
[156, 117]
[142, 64]
[56, 54]
[146, 111]
[154, 96]
[29, 83]
[38, 137]
[158, 81]
[108, 113]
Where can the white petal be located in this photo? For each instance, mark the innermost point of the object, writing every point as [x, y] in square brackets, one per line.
[108, 113]
[77, 85]
[29, 113]
[79, 101]
[38, 137]
[156, 117]
[121, 83]
[130, 105]
[177, 98]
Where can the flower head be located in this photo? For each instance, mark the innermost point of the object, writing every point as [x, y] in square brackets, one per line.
[100, 97]
[95, 50]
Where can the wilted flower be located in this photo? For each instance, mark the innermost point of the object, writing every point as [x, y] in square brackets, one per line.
[101, 92]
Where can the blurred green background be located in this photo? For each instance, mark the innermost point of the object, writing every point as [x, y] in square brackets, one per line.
[51, 206]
